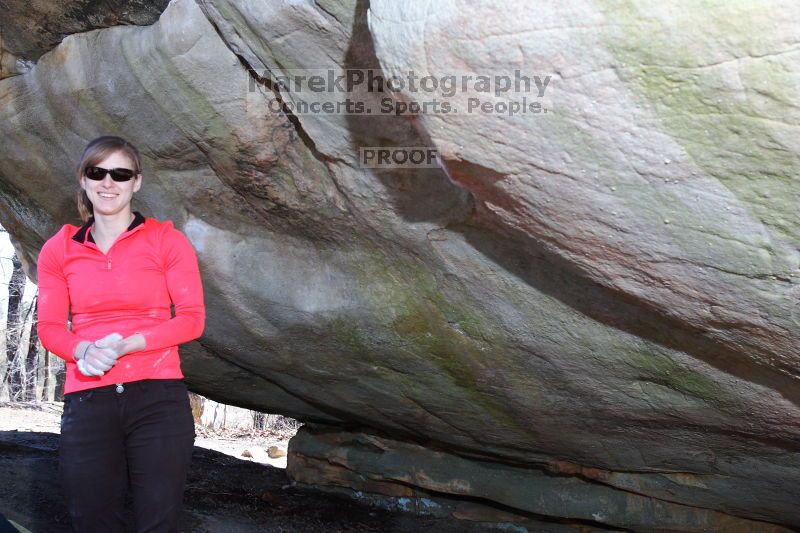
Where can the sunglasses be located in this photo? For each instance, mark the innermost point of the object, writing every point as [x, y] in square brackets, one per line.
[117, 174]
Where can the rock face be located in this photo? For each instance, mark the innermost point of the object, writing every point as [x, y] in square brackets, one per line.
[373, 464]
[9, 63]
[599, 302]
[33, 27]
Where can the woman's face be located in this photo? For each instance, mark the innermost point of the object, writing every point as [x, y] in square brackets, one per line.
[110, 197]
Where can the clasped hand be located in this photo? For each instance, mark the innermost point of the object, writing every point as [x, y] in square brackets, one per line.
[101, 355]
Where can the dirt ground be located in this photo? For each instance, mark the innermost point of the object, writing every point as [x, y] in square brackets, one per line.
[224, 493]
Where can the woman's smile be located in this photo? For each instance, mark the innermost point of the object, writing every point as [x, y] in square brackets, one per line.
[111, 197]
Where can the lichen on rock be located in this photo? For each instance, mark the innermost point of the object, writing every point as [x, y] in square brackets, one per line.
[601, 300]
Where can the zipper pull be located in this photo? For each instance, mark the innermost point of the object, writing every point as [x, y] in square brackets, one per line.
[109, 264]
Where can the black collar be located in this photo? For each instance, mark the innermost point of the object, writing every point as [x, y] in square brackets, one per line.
[80, 236]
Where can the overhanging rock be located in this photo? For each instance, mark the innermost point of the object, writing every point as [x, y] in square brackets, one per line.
[607, 292]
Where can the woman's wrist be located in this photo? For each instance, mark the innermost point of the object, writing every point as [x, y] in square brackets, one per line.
[80, 350]
[134, 343]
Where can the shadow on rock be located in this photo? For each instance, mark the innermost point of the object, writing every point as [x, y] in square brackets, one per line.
[223, 494]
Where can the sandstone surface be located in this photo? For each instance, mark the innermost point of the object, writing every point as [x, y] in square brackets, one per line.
[602, 298]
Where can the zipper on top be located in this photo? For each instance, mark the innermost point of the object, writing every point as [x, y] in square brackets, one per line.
[122, 236]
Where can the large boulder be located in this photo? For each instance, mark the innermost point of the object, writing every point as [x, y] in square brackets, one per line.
[606, 292]
[33, 27]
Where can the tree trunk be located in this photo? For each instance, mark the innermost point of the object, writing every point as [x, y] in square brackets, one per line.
[197, 402]
[16, 287]
[61, 376]
[46, 378]
[32, 359]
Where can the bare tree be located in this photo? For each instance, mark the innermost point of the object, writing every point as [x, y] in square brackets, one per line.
[32, 358]
[46, 378]
[23, 362]
[61, 377]
[16, 288]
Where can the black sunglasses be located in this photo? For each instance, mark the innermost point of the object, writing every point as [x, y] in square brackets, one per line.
[117, 174]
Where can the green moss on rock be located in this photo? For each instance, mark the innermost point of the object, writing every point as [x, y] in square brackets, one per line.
[726, 103]
[664, 371]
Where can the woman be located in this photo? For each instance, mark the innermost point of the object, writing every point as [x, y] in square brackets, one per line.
[127, 419]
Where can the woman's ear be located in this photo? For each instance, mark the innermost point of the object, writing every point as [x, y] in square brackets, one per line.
[137, 184]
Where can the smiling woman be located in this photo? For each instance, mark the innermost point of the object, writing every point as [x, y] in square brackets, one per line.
[118, 274]
[109, 174]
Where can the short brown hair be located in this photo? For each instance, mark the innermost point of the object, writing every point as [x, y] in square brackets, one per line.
[97, 150]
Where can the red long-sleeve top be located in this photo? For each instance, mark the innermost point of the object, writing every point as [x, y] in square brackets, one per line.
[127, 290]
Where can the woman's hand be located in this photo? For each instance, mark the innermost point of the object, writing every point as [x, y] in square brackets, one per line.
[114, 341]
[97, 361]
[103, 353]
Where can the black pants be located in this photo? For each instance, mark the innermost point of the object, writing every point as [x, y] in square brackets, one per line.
[140, 438]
